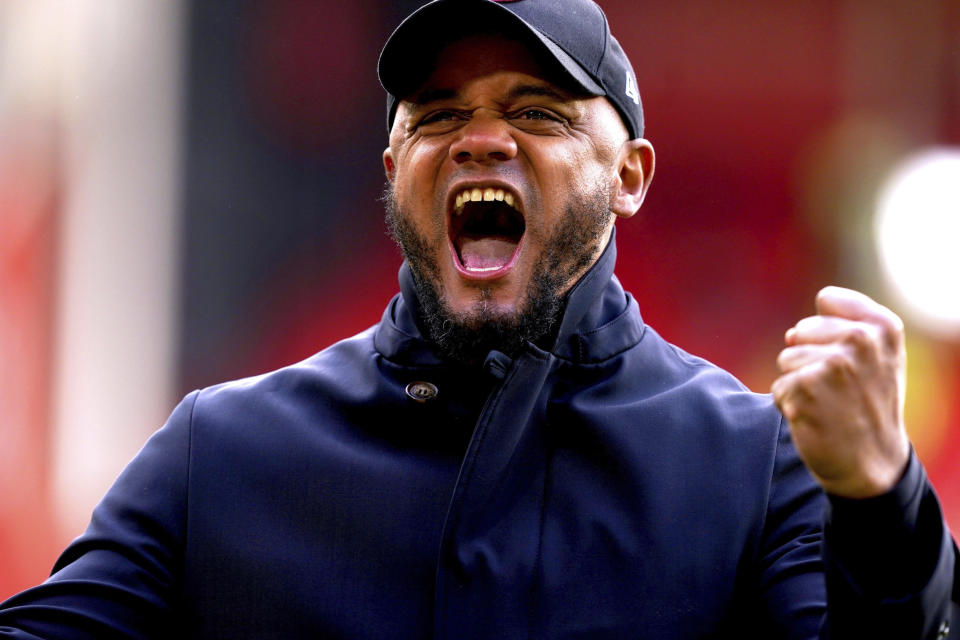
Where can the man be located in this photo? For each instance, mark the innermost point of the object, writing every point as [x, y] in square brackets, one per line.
[511, 452]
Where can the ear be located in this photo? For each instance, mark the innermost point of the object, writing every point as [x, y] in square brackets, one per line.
[388, 165]
[635, 164]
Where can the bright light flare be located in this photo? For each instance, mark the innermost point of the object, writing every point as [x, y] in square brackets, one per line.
[918, 238]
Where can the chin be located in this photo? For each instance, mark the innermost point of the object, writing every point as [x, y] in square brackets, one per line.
[484, 306]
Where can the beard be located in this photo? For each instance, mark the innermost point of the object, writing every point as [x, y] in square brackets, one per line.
[467, 337]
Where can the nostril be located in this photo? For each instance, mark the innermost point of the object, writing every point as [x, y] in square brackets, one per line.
[464, 156]
[481, 152]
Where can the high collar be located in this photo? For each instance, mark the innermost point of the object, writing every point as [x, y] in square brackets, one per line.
[599, 319]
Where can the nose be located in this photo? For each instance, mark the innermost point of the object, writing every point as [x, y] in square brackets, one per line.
[485, 138]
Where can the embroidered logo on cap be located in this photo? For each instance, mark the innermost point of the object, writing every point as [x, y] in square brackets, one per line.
[632, 91]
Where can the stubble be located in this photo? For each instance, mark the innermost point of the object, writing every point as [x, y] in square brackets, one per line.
[467, 337]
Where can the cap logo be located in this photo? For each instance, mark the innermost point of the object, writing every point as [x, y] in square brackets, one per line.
[632, 92]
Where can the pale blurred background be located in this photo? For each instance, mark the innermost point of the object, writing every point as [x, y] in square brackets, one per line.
[188, 194]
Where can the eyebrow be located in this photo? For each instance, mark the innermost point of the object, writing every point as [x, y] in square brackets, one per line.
[520, 91]
[433, 95]
[524, 90]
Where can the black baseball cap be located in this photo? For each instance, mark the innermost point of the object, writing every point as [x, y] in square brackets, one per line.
[571, 35]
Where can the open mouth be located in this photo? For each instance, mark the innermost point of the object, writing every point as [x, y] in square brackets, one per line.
[486, 229]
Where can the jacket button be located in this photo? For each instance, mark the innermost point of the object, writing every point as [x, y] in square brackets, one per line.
[422, 391]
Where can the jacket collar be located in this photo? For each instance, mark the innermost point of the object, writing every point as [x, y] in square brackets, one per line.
[599, 319]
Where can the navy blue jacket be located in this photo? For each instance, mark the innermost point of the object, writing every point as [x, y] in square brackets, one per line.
[607, 485]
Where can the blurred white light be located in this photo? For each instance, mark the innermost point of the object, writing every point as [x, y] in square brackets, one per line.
[918, 238]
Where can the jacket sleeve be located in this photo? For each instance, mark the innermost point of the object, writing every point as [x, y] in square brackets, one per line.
[122, 577]
[790, 576]
[834, 568]
[891, 565]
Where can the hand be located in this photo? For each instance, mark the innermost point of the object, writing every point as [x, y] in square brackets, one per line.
[842, 390]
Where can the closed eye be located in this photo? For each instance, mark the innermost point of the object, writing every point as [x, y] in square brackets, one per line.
[536, 114]
[440, 117]
[437, 116]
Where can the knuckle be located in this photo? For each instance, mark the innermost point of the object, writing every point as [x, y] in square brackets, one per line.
[892, 334]
[789, 410]
[890, 319]
[896, 324]
[806, 382]
[860, 337]
[838, 365]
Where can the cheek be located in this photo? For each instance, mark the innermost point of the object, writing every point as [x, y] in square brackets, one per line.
[594, 176]
[419, 166]
[408, 176]
[417, 200]
[570, 178]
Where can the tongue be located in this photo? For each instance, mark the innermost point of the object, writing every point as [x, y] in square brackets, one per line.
[486, 252]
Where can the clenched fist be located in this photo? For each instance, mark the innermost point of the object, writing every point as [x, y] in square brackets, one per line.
[842, 389]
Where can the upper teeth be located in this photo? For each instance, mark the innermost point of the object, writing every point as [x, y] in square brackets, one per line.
[477, 194]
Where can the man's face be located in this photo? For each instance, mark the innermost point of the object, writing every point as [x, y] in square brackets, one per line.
[501, 184]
